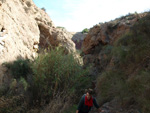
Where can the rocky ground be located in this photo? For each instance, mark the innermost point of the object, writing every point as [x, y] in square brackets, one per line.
[113, 107]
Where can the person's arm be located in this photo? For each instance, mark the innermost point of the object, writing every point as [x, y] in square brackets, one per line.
[97, 106]
[95, 103]
[80, 104]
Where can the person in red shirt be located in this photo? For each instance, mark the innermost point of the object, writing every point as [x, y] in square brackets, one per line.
[86, 103]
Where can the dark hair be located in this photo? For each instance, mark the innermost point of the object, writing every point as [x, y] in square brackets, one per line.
[90, 91]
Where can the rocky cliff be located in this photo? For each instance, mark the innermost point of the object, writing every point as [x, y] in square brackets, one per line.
[119, 52]
[104, 34]
[24, 28]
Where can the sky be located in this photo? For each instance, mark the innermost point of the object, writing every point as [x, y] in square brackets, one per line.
[75, 15]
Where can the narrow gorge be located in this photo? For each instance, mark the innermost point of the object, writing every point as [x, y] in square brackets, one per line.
[45, 68]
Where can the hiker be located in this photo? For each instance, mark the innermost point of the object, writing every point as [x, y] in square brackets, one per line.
[87, 102]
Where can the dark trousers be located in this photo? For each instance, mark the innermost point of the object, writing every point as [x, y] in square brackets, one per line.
[82, 112]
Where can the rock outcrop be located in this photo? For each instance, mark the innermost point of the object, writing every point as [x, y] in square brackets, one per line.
[24, 28]
[105, 34]
[51, 36]
[78, 39]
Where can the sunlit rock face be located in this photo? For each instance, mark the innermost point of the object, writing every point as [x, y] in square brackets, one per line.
[24, 28]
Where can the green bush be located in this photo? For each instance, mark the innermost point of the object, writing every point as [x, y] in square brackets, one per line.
[110, 84]
[53, 74]
[139, 88]
[3, 90]
[61, 27]
[24, 83]
[133, 47]
[56, 73]
[43, 9]
[19, 68]
[85, 30]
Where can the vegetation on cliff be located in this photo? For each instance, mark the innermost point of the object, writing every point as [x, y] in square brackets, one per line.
[54, 81]
[85, 30]
[127, 75]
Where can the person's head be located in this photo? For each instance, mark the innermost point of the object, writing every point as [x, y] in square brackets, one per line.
[89, 93]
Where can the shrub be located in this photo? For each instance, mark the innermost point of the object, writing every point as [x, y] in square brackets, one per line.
[139, 88]
[61, 27]
[110, 85]
[43, 9]
[56, 73]
[24, 83]
[13, 84]
[53, 75]
[134, 46]
[3, 90]
[85, 30]
[19, 68]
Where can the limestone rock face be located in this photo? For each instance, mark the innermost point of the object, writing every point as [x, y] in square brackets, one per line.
[19, 30]
[105, 34]
[24, 28]
[51, 36]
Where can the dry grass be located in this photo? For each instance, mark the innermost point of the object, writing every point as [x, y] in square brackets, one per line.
[58, 105]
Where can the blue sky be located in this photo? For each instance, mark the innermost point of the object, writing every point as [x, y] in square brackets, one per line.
[75, 15]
